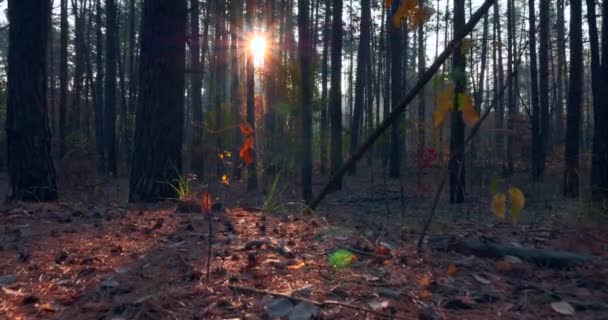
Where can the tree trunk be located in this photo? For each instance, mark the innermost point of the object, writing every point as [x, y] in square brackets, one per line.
[396, 72]
[305, 51]
[335, 92]
[535, 119]
[30, 167]
[500, 106]
[543, 84]
[575, 94]
[456, 164]
[252, 180]
[63, 77]
[160, 110]
[110, 87]
[362, 77]
[196, 82]
[78, 66]
[323, 136]
[99, 102]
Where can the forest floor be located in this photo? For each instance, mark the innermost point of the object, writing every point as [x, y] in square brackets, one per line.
[93, 256]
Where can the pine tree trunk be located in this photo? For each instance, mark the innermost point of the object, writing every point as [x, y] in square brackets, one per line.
[30, 167]
[63, 77]
[160, 110]
[456, 165]
[361, 77]
[252, 180]
[236, 28]
[543, 83]
[335, 92]
[535, 119]
[396, 72]
[575, 94]
[99, 102]
[305, 51]
[197, 160]
[110, 87]
[324, 96]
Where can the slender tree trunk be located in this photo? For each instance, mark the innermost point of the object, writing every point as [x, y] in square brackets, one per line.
[361, 77]
[500, 106]
[575, 94]
[324, 98]
[132, 52]
[561, 75]
[157, 147]
[335, 92]
[305, 51]
[30, 167]
[252, 180]
[511, 87]
[99, 103]
[543, 84]
[535, 119]
[421, 100]
[395, 45]
[110, 87]
[196, 83]
[63, 77]
[221, 52]
[598, 111]
[78, 66]
[456, 165]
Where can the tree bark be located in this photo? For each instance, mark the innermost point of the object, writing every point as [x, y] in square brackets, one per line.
[335, 92]
[305, 51]
[63, 77]
[323, 135]
[535, 119]
[252, 179]
[362, 77]
[543, 84]
[575, 94]
[160, 108]
[196, 82]
[396, 72]
[110, 87]
[457, 170]
[30, 167]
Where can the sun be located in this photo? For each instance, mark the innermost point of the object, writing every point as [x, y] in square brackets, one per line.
[257, 45]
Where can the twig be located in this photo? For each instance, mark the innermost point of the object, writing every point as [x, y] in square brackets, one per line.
[474, 131]
[319, 304]
[400, 108]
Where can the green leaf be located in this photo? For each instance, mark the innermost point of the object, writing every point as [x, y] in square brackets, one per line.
[341, 258]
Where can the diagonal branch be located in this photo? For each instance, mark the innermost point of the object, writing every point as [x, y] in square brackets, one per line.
[400, 108]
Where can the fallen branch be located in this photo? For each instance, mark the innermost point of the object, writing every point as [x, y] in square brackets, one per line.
[542, 257]
[319, 304]
[401, 107]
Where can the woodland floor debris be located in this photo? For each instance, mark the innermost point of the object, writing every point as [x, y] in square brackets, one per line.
[82, 260]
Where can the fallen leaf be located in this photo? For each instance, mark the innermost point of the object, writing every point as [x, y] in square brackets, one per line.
[341, 258]
[503, 266]
[452, 270]
[425, 295]
[297, 266]
[47, 307]
[424, 281]
[378, 304]
[563, 307]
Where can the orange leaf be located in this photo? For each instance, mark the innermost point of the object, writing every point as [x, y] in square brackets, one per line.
[246, 129]
[206, 202]
[452, 270]
[424, 281]
[503, 266]
[469, 115]
[425, 295]
[382, 251]
[297, 266]
[246, 151]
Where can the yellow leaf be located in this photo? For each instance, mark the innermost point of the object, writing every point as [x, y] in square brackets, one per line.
[518, 201]
[438, 117]
[466, 45]
[469, 115]
[297, 266]
[445, 98]
[452, 270]
[499, 205]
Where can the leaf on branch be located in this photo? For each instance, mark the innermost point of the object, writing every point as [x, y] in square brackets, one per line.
[206, 202]
[499, 205]
[246, 151]
[445, 104]
[518, 201]
[466, 45]
[469, 114]
[246, 129]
